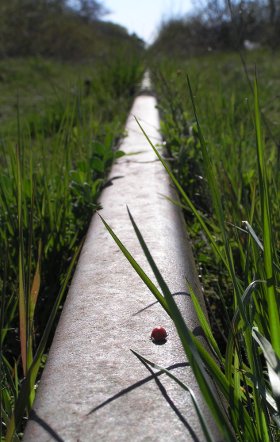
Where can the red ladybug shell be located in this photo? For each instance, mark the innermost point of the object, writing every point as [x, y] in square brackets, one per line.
[159, 334]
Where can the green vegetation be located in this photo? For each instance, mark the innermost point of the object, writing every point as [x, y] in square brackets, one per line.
[221, 25]
[54, 28]
[226, 118]
[62, 113]
[220, 131]
[63, 100]
[226, 159]
[52, 170]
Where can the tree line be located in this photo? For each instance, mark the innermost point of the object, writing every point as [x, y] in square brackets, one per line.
[58, 28]
[222, 25]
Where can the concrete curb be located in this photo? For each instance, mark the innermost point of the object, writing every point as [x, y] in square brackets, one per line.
[93, 388]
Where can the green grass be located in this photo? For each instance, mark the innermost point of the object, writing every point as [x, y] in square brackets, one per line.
[221, 134]
[218, 124]
[226, 115]
[223, 142]
[59, 135]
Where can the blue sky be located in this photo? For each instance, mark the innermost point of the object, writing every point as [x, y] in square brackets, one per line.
[144, 16]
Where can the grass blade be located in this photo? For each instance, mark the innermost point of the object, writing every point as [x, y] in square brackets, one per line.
[203, 423]
[189, 344]
[29, 382]
[272, 362]
[21, 294]
[185, 197]
[205, 326]
[149, 257]
[273, 312]
[137, 268]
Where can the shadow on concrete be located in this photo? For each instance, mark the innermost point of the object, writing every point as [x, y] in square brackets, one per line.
[168, 399]
[110, 182]
[34, 417]
[136, 385]
[153, 376]
[156, 302]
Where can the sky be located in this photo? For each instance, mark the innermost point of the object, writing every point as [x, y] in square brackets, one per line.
[144, 16]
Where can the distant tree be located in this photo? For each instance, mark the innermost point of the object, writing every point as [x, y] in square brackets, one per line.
[91, 10]
[215, 11]
[221, 25]
[272, 11]
[55, 28]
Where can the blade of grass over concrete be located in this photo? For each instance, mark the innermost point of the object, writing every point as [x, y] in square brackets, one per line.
[159, 278]
[214, 370]
[187, 339]
[203, 423]
[138, 268]
[184, 196]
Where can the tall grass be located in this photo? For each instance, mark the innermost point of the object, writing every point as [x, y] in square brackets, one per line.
[225, 169]
[53, 168]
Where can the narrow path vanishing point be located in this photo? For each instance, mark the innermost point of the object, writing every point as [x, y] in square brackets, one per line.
[93, 388]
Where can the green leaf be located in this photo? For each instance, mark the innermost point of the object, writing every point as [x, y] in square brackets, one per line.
[190, 345]
[202, 420]
[149, 257]
[28, 383]
[185, 197]
[268, 241]
[137, 268]
[205, 326]
[272, 362]
[119, 154]
[97, 164]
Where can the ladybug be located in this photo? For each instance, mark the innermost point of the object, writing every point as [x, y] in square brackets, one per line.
[158, 335]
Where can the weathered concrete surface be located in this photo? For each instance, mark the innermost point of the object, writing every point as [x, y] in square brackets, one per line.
[93, 388]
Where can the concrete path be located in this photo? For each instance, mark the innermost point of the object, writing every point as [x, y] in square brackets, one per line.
[93, 388]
